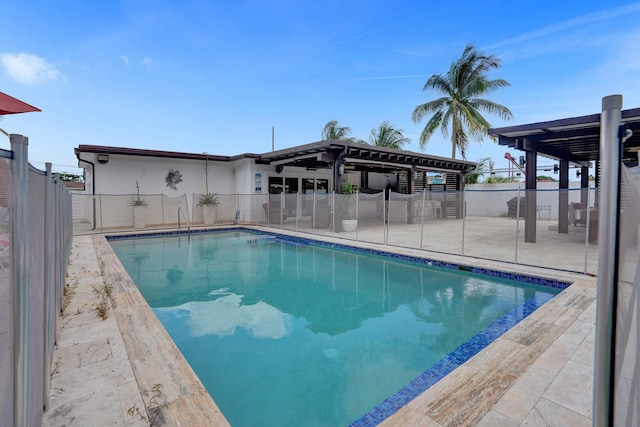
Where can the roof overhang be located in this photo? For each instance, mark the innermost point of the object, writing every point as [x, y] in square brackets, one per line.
[362, 157]
[100, 149]
[575, 139]
[11, 105]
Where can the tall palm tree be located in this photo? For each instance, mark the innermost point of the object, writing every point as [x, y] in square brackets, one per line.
[333, 131]
[459, 109]
[387, 136]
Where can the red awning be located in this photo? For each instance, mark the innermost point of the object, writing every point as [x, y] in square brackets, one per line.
[10, 105]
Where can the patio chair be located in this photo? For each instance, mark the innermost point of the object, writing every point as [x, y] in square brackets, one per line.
[512, 207]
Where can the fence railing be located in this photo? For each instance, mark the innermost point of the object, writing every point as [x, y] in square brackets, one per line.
[35, 237]
[487, 224]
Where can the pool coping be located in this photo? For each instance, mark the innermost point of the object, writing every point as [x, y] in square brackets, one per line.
[115, 274]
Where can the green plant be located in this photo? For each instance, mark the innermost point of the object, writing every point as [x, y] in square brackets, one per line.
[349, 196]
[155, 405]
[138, 201]
[105, 297]
[67, 294]
[457, 108]
[208, 199]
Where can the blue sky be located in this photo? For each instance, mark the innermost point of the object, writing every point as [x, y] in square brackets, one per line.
[215, 76]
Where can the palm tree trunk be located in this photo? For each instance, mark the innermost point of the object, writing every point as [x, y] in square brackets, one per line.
[454, 135]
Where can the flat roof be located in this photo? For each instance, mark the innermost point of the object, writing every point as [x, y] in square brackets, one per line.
[576, 139]
[101, 149]
[320, 155]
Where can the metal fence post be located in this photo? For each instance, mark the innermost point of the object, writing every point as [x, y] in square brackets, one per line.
[464, 216]
[51, 211]
[603, 398]
[517, 222]
[20, 277]
[357, 200]
[422, 219]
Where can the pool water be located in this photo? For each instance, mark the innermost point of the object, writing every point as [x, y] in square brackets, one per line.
[284, 333]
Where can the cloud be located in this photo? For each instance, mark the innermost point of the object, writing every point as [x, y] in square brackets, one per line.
[224, 315]
[146, 61]
[565, 25]
[125, 59]
[30, 69]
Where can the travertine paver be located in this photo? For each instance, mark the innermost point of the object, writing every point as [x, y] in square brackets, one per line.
[90, 365]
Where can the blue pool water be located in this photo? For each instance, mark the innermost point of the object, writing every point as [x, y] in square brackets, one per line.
[286, 332]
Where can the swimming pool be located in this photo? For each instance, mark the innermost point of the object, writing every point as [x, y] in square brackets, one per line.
[306, 334]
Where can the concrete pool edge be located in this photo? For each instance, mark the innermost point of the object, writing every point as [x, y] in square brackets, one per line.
[537, 332]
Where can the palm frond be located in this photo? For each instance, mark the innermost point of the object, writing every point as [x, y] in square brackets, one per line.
[331, 130]
[463, 86]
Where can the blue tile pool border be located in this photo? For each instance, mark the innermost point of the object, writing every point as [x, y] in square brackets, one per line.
[445, 366]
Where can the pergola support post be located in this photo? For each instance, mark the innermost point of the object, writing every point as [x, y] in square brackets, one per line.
[584, 185]
[530, 196]
[563, 198]
[411, 182]
[460, 211]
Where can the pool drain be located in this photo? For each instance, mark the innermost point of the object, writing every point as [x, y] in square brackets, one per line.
[331, 353]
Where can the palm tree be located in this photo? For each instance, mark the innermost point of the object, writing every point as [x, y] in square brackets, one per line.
[459, 109]
[333, 131]
[484, 165]
[387, 136]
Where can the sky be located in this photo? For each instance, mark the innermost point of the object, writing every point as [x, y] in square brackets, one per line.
[215, 76]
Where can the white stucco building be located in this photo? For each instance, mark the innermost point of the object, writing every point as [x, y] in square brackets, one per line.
[246, 182]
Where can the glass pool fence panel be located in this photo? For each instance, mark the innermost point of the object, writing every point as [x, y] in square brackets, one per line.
[7, 327]
[493, 223]
[626, 405]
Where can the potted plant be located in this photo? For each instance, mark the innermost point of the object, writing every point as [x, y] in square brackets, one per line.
[139, 209]
[349, 198]
[208, 201]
